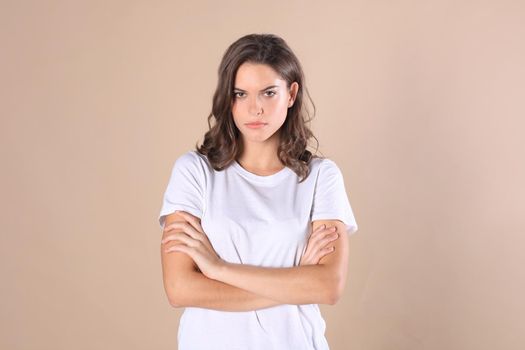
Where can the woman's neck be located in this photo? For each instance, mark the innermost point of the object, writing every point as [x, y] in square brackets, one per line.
[260, 157]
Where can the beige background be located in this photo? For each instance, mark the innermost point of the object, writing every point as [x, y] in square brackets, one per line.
[420, 103]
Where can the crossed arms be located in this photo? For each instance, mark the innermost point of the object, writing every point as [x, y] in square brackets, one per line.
[241, 287]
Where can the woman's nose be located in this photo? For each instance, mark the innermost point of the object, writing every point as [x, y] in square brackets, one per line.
[255, 106]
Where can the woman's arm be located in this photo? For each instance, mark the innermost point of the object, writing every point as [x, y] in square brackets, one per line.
[198, 290]
[185, 286]
[308, 284]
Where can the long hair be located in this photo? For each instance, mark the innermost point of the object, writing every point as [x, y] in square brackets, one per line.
[222, 143]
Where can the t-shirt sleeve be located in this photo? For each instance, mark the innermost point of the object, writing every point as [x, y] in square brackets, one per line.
[330, 198]
[185, 189]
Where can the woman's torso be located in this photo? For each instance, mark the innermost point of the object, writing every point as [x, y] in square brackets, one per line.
[262, 221]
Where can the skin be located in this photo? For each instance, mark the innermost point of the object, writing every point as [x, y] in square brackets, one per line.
[305, 284]
[260, 145]
[321, 275]
[185, 285]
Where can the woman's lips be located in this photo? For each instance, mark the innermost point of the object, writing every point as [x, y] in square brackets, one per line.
[255, 125]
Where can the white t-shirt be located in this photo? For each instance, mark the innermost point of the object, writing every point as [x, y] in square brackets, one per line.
[256, 220]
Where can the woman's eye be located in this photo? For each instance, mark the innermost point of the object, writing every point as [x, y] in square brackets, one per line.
[236, 94]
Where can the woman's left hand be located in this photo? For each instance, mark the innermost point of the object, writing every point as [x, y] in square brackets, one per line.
[195, 243]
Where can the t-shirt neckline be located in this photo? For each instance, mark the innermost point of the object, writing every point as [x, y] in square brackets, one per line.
[263, 179]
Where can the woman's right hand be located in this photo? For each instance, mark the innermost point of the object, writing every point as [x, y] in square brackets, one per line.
[319, 245]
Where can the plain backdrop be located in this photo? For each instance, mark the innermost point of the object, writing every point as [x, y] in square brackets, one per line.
[420, 103]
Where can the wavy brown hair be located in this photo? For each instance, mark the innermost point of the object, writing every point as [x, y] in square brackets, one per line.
[222, 142]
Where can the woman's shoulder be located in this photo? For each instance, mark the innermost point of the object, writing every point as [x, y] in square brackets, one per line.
[192, 156]
[193, 160]
[318, 163]
[325, 169]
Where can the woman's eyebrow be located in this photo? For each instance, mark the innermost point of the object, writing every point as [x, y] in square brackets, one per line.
[266, 88]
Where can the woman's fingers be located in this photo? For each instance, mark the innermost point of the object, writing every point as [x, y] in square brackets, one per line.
[318, 229]
[324, 251]
[192, 220]
[328, 238]
[318, 244]
[319, 232]
[193, 235]
[179, 236]
[186, 227]
[320, 237]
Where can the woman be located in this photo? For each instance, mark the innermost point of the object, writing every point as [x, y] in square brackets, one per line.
[244, 248]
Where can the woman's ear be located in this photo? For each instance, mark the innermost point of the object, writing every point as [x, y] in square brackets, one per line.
[294, 87]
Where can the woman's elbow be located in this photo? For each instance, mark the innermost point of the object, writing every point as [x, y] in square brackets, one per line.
[336, 290]
[175, 299]
[334, 298]
[171, 296]
[175, 293]
[175, 304]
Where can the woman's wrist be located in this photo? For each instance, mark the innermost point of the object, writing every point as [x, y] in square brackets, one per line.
[220, 270]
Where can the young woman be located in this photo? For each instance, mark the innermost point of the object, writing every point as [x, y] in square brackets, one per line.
[255, 227]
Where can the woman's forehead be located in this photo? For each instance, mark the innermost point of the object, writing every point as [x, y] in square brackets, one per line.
[248, 72]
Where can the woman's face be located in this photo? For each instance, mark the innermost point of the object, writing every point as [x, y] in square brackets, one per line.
[260, 96]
